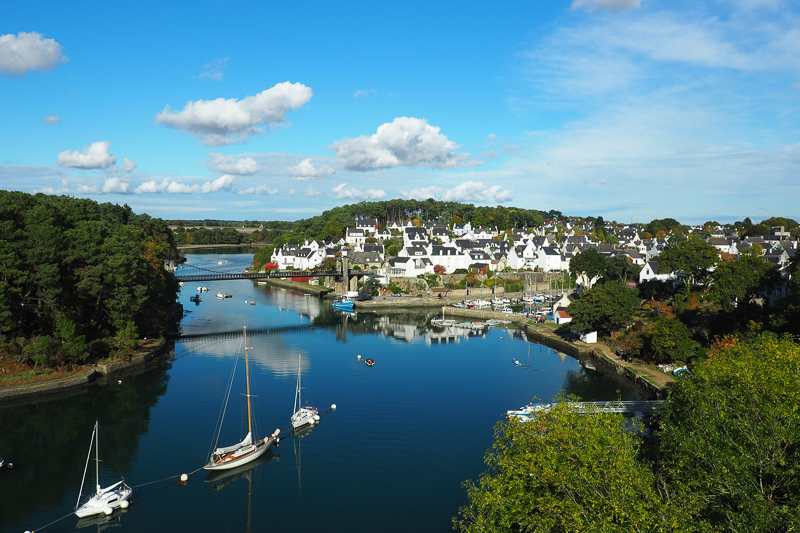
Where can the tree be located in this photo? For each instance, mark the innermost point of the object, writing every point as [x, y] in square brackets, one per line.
[604, 308]
[730, 434]
[589, 263]
[569, 470]
[667, 340]
[737, 282]
[263, 256]
[691, 259]
[620, 268]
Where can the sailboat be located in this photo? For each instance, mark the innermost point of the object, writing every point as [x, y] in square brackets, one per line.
[248, 449]
[105, 500]
[302, 414]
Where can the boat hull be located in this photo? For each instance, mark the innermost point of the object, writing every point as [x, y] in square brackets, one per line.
[344, 306]
[305, 416]
[242, 456]
[98, 503]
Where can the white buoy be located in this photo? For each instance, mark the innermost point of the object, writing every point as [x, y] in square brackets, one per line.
[124, 504]
[184, 478]
[119, 381]
[107, 511]
[333, 407]
[316, 418]
[359, 357]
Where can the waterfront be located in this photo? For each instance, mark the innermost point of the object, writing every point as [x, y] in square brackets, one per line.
[392, 457]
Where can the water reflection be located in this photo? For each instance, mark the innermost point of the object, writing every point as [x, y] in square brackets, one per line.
[48, 441]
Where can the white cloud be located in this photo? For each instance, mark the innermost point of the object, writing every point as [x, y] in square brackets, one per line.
[118, 185]
[220, 122]
[606, 5]
[50, 190]
[52, 119]
[422, 193]
[305, 170]
[341, 192]
[88, 189]
[261, 189]
[174, 187]
[312, 192]
[94, 156]
[469, 191]
[364, 93]
[28, 51]
[214, 69]
[229, 165]
[406, 141]
[128, 165]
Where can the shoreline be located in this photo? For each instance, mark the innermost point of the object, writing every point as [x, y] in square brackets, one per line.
[79, 383]
[650, 380]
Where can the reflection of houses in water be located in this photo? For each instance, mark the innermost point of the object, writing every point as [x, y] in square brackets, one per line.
[404, 331]
[287, 300]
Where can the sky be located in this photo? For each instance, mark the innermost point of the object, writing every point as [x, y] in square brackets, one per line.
[213, 109]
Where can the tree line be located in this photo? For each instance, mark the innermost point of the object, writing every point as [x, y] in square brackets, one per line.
[79, 279]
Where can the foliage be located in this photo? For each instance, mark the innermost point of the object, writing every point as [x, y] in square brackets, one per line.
[667, 340]
[589, 262]
[620, 268]
[731, 435]
[439, 269]
[663, 226]
[737, 282]
[263, 256]
[569, 470]
[692, 259]
[77, 272]
[603, 308]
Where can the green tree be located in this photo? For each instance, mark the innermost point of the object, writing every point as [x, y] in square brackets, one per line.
[570, 470]
[620, 268]
[668, 340]
[691, 259]
[604, 308]
[589, 262]
[730, 435]
[262, 257]
[736, 283]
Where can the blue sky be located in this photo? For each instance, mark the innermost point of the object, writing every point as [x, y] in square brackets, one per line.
[627, 109]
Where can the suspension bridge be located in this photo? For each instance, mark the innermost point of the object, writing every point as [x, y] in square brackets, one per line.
[195, 273]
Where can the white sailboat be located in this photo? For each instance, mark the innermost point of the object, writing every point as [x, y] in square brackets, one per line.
[302, 414]
[105, 500]
[248, 449]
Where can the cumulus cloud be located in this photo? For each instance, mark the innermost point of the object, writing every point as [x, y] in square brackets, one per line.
[88, 189]
[28, 51]
[469, 191]
[94, 156]
[174, 187]
[128, 165]
[50, 190]
[118, 185]
[52, 119]
[229, 165]
[220, 122]
[261, 189]
[606, 5]
[342, 192]
[406, 141]
[305, 170]
[312, 192]
[214, 69]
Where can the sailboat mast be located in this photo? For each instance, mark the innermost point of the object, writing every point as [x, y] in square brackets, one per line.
[97, 453]
[247, 373]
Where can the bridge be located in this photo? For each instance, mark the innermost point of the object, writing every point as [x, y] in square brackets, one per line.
[204, 274]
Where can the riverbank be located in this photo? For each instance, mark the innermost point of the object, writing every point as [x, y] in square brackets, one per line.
[42, 386]
[648, 378]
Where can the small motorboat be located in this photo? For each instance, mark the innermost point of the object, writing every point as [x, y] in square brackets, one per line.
[369, 362]
[516, 361]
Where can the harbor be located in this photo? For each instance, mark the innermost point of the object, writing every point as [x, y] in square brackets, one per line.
[386, 446]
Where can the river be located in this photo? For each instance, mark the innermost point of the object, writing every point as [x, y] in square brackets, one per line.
[392, 457]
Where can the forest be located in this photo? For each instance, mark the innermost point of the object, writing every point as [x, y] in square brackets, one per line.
[79, 279]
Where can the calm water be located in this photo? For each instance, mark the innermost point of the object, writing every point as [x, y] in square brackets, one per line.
[392, 457]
